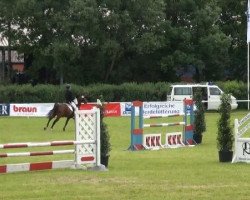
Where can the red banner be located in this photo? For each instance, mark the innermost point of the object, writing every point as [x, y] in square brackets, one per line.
[87, 106]
[110, 109]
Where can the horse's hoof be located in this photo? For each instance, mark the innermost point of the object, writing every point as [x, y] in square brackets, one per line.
[45, 128]
[64, 129]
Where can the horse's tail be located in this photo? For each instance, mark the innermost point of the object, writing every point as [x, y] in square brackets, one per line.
[53, 110]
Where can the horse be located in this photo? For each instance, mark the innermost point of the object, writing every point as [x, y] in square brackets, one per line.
[64, 110]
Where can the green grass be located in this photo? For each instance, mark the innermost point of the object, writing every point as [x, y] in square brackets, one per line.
[184, 173]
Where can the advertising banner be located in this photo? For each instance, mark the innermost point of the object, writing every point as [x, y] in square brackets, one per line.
[110, 109]
[87, 106]
[4, 109]
[126, 109]
[30, 109]
[243, 150]
[154, 108]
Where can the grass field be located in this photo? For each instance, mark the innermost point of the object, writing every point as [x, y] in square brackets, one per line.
[184, 173]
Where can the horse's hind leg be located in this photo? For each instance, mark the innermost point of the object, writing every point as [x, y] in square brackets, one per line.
[48, 123]
[67, 120]
[54, 122]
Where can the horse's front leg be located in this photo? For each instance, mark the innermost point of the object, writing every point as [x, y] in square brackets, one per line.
[48, 123]
[66, 122]
[54, 122]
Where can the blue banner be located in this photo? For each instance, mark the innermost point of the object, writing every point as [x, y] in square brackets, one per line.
[4, 109]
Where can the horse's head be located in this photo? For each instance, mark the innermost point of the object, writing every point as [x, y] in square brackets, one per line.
[81, 99]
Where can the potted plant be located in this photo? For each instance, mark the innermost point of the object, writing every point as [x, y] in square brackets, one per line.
[104, 137]
[225, 136]
[199, 117]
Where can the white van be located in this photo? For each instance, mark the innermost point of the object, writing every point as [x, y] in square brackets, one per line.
[210, 95]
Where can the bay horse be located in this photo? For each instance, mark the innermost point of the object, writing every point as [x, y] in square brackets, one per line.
[64, 110]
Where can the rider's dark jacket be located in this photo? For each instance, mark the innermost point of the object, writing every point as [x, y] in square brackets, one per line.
[69, 96]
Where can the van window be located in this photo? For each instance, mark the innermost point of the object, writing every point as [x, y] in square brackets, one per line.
[182, 91]
[214, 91]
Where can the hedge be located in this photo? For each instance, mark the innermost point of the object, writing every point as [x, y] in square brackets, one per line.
[111, 93]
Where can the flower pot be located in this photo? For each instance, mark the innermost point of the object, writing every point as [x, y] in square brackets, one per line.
[225, 156]
[197, 138]
[105, 160]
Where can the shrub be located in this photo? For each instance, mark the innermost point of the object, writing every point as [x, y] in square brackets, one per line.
[237, 88]
[111, 93]
[199, 115]
[104, 136]
[225, 133]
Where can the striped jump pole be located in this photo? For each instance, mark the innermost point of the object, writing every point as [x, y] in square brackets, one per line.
[136, 131]
[164, 124]
[161, 116]
[189, 122]
[41, 153]
[43, 144]
[87, 147]
[24, 167]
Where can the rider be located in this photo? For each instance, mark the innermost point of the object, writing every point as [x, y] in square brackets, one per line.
[69, 97]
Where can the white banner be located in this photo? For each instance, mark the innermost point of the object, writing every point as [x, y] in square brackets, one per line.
[149, 108]
[30, 109]
[154, 108]
[243, 151]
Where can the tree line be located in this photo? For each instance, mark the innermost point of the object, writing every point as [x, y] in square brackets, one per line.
[116, 41]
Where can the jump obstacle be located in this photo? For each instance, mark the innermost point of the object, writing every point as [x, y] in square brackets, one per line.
[87, 147]
[140, 141]
[242, 144]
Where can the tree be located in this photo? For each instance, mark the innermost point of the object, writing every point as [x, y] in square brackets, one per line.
[129, 29]
[125, 40]
[233, 22]
[195, 38]
[46, 33]
[7, 29]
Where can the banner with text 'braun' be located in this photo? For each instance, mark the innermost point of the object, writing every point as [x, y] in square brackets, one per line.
[31, 109]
